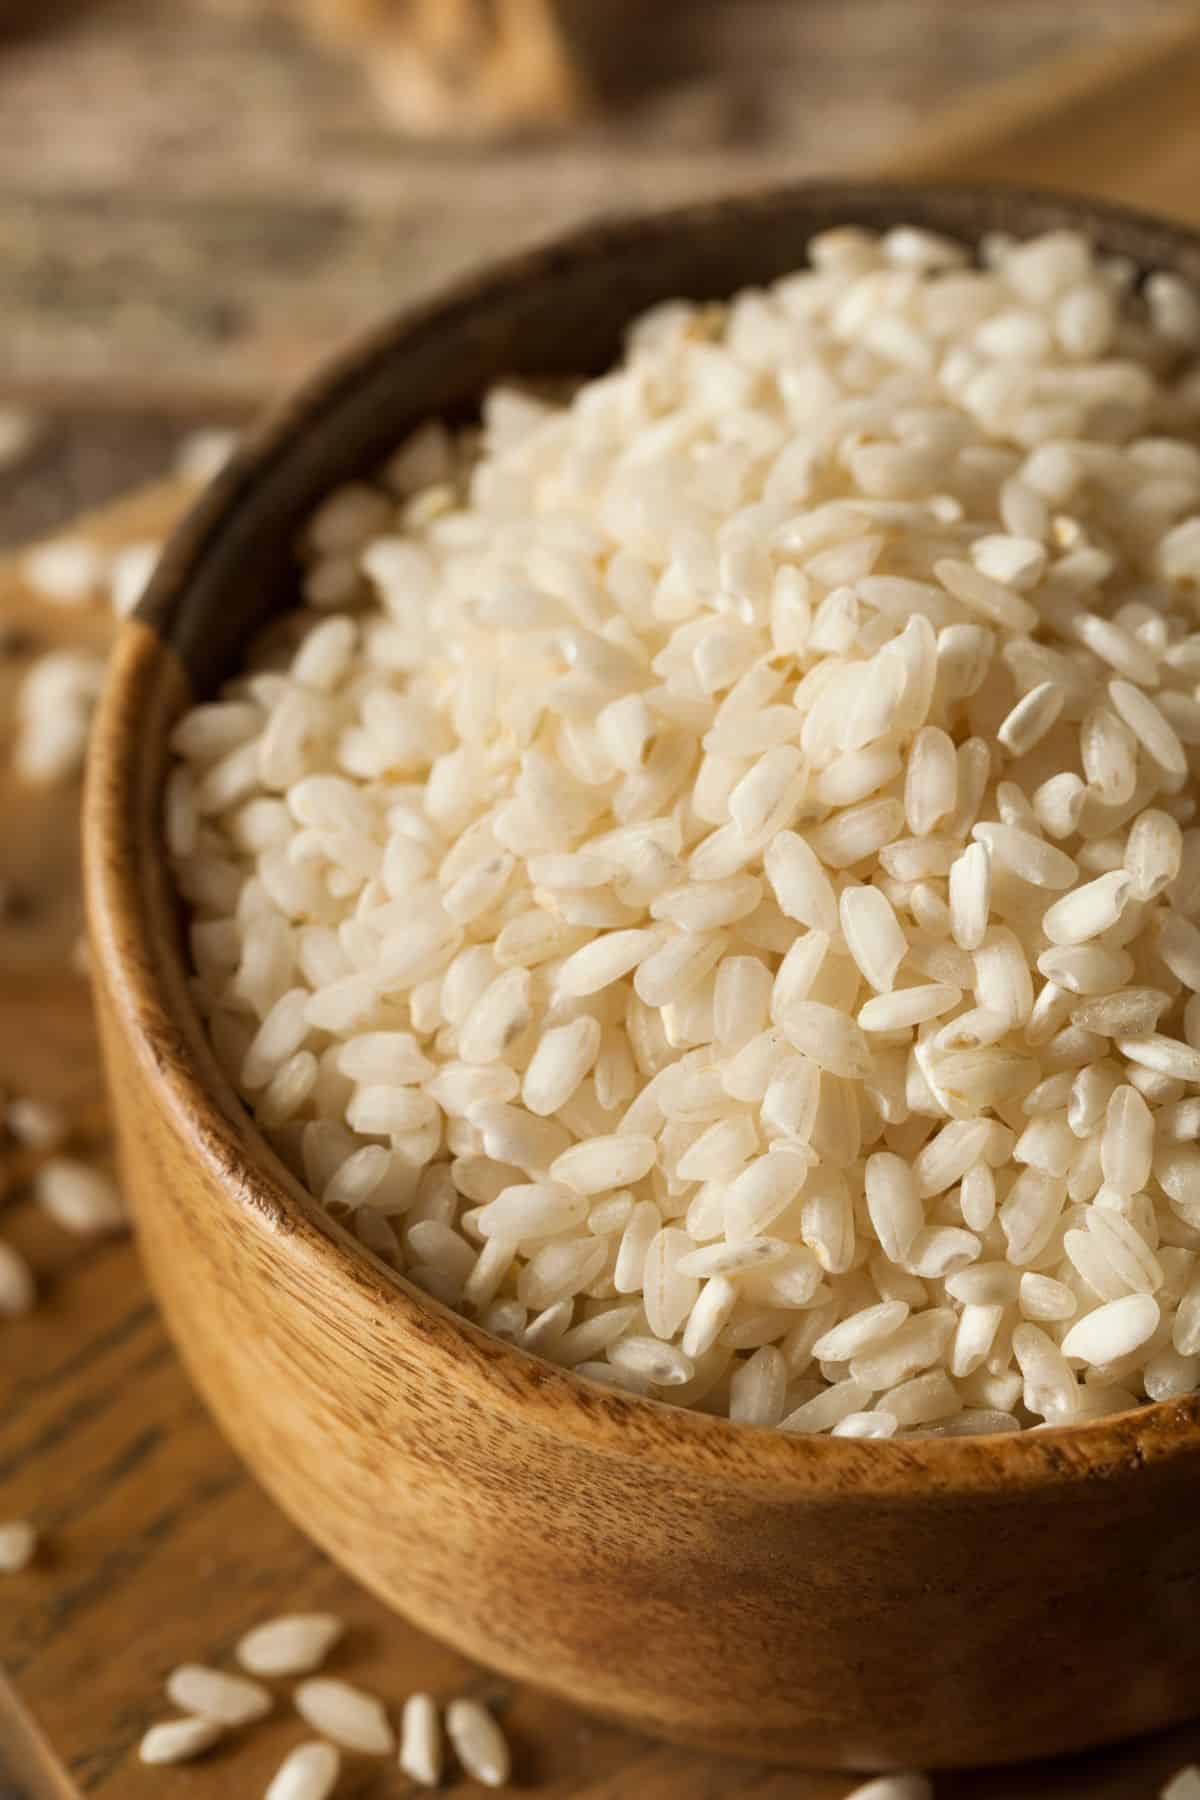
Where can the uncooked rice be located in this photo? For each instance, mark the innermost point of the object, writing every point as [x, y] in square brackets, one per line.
[203, 454]
[212, 1694]
[179, 1740]
[309, 1772]
[708, 884]
[39, 1124]
[478, 1741]
[293, 1645]
[352, 1718]
[66, 571]
[421, 1740]
[18, 1544]
[54, 708]
[79, 1197]
[214, 1702]
[894, 1787]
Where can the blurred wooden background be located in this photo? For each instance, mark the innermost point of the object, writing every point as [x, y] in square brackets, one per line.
[196, 203]
[194, 206]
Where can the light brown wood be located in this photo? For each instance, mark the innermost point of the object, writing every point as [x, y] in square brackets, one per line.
[732, 1589]
[1119, 122]
[162, 1546]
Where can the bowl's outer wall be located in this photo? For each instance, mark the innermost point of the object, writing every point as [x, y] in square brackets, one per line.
[831, 1604]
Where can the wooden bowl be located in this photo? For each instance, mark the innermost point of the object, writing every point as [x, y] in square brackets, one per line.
[821, 1601]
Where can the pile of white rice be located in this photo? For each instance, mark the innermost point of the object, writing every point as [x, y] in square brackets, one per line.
[709, 885]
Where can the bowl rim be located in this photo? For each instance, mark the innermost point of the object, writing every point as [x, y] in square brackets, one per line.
[149, 994]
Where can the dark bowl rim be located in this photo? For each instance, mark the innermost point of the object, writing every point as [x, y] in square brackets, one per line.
[151, 997]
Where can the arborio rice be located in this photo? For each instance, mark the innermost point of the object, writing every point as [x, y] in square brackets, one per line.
[709, 885]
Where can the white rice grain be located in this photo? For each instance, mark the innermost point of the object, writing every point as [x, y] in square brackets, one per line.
[78, 1197]
[18, 1291]
[1127, 1146]
[179, 1740]
[353, 1719]
[309, 1772]
[1031, 718]
[65, 571]
[873, 935]
[1113, 1330]
[892, 1203]
[1148, 726]
[212, 1694]
[421, 1740]
[970, 896]
[38, 1123]
[292, 1645]
[18, 1545]
[1183, 1785]
[802, 887]
[478, 1742]
[1088, 911]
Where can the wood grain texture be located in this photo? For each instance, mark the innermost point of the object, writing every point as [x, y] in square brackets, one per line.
[163, 1552]
[1120, 121]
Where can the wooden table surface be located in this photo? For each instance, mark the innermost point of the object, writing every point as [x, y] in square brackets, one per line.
[159, 1548]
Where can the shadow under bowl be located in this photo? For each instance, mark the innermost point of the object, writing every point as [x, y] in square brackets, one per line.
[818, 1601]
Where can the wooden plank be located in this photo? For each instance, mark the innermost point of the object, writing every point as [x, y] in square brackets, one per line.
[1122, 121]
[159, 1547]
